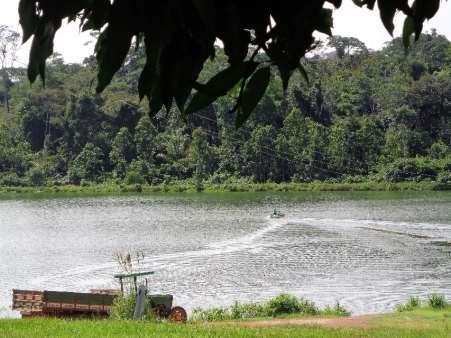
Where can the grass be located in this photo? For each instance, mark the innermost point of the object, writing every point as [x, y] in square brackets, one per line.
[428, 319]
[423, 322]
[431, 322]
[106, 189]
[435, 301]
[282, 305]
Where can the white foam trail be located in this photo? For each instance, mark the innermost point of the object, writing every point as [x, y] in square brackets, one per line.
[246, 241]
[250, 241]
[440, 231]
[165, 260]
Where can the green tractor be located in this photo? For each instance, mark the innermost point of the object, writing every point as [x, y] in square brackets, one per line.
[161, 304]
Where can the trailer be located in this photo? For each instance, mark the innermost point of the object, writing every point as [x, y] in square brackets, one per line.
[97, 303]
[31, 303]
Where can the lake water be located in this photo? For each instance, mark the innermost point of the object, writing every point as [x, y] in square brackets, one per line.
[369, 251]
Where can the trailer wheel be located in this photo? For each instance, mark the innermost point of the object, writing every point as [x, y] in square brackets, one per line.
[178, 315]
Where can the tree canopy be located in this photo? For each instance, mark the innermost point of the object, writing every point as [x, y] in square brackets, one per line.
[365, 116]
[180, 36]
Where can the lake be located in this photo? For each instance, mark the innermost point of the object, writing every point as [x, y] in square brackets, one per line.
[367, 250]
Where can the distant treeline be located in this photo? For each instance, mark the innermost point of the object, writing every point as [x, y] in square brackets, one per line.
[361, 116]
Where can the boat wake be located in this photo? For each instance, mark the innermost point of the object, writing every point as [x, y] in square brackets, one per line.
[173, 260]
[101, 273]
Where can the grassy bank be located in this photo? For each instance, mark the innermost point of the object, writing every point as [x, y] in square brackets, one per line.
[188, 186]
[281, 316]
[421, 322]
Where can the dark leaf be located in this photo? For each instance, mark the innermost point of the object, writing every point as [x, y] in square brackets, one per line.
[388, 10]
[336, 3]
[220, 84]
[41, 49]
[326, 22]
[408, 30]
[28, 18]
[111, 50]
[252, 94]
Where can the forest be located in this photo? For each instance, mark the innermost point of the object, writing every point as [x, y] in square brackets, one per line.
[355, 115]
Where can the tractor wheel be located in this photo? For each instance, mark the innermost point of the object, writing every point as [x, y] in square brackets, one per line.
[178, 315]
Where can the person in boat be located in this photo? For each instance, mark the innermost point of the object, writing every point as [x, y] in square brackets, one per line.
[276, 213]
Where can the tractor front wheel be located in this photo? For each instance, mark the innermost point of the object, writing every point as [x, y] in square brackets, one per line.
[178, 315]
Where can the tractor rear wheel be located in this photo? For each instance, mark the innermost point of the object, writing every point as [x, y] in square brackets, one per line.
[178, 315]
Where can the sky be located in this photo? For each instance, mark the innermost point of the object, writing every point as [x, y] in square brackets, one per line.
[349, 20]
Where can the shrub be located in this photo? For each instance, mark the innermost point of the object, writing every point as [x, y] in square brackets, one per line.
[124, 307]
[337, 310]
[36, 176]
[85, 183]
[75, 175]
[437, 301]
[308, 307]
[210, 314]
[409, 169]
[11, 180]
[281, 305]
[355, 179]
[87, 165]
[249, 310]
[444, 177]
[286, 304]
[134, 177]
[412, 303]
[220, 178]
[439, 150]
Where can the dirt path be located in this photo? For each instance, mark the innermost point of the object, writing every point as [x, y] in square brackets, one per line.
[354, 322]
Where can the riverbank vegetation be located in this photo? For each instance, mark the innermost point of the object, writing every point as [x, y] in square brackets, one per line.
[434, 301]
[366, 120]
[419, 322]
[189, 186]
[281, 305]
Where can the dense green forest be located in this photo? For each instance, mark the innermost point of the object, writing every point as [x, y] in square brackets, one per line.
[361, 115]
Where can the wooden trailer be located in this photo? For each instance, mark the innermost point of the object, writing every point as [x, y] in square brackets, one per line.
[62, 304]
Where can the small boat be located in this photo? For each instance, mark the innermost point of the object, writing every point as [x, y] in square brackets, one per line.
[276, 214]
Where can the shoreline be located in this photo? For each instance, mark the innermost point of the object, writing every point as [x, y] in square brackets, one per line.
[422, 322]
[189, 187]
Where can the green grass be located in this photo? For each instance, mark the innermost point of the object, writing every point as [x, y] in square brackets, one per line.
[432, 322]
[190, 187]
[417, 323]
[281, 305]
[435, 301]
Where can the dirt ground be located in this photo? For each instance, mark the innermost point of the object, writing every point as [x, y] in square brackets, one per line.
[353, 322]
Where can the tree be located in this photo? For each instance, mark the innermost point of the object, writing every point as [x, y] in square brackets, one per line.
[259, 154]
[87, 165]
[145, 138]
[345, 150]
[346, 46]
[122, 152]
[370, 137]
[13, 151]
[9, 42]
[199, 153]
[291, 145]
[283, 31]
